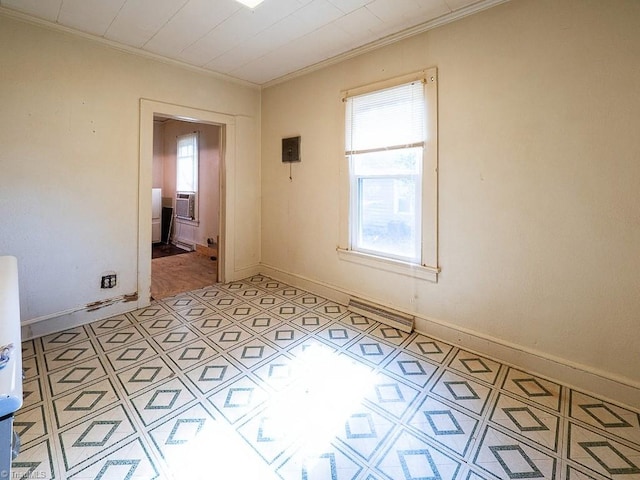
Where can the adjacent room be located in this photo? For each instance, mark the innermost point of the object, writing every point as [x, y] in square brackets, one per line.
[320, 239]
[185, 218]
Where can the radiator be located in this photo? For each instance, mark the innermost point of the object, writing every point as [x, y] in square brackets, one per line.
[10, 361]
[390, 317]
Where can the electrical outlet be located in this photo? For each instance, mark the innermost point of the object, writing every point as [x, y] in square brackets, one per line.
[108, 281]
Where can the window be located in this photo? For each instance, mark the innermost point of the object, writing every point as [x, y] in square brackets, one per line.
[391, 150]
[187, 163]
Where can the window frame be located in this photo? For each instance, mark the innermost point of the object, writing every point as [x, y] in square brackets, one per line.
[427, 268]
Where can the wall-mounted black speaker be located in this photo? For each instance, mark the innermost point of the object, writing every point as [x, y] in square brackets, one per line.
[291, 149]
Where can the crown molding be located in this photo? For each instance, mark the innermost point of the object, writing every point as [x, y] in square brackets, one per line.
[23, 17]
[390, 39]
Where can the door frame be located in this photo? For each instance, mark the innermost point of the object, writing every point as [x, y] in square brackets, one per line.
[148, 110]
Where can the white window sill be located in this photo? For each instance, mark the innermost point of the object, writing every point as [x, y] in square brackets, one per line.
[186, 221]
[421, 272]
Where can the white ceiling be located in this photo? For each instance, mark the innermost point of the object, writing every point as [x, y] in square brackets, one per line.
[276, 39]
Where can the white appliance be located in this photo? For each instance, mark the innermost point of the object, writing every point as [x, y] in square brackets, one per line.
[10, 361]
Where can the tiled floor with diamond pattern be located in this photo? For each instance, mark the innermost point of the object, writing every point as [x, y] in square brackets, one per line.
[260, 380]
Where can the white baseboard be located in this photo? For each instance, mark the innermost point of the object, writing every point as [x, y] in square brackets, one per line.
[588, 379]
[57, 322]
[245, 272]
[581, 377]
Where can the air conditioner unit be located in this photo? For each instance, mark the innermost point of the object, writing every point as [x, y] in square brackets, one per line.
[186, 206]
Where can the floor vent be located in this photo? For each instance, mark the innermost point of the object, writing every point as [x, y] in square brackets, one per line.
[393, 318]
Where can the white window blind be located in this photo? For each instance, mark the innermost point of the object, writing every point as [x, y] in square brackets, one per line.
[387, 119]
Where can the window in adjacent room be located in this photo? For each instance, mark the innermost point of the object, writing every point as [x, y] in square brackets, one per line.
[187, 164]
[391, 151]
[187, 177]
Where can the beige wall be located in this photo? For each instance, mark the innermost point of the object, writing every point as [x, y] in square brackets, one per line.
[69, 163]
[539, 180]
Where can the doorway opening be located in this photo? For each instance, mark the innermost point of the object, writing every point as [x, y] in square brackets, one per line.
[202, 228]
[185, 205]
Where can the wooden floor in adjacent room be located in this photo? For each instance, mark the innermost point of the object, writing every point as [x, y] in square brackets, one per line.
[175, 274]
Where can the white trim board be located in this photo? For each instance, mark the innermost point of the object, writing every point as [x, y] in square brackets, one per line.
[72, 318]
[580, 377]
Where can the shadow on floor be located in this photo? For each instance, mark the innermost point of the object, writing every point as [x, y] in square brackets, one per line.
[160, 250]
